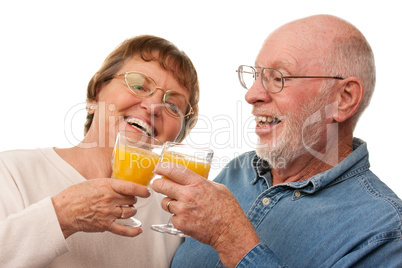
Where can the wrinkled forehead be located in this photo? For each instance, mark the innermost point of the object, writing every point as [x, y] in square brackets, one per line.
[291, 45]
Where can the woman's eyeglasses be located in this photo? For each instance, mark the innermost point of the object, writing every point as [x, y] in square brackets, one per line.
[143, 85]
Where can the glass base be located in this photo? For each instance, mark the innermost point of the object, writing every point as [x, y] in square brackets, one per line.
[129, 222]
[168, 229]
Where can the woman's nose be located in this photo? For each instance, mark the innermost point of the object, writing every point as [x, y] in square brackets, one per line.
[153, 103]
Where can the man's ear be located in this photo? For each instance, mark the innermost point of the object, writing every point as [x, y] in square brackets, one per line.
[350, 95]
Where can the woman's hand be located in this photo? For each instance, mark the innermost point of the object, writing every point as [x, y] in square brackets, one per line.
[94, 205]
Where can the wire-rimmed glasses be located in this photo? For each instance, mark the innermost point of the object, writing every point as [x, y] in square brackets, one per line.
[272, 80]
[143, 85]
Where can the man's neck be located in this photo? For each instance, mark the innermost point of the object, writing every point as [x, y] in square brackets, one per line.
[308, 165]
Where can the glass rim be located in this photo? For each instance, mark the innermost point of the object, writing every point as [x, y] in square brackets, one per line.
[169, 143]
[154, 141]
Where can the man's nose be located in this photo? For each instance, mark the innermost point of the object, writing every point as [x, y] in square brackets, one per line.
[257, 93]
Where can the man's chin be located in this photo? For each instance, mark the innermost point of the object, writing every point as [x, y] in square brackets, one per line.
[268, 153]
[278, 156]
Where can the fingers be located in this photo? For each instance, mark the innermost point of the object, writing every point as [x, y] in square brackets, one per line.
[166, 187]
[122, 230]
[176, 172]
[126, 200]
[167, 204]
[175, 177]
[124, 212]
[129, 188]
[94, 205]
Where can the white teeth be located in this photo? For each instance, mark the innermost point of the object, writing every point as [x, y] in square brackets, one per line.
[261, 120]
[141, 125]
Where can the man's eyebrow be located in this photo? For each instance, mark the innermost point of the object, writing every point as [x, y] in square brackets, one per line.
[282, 64]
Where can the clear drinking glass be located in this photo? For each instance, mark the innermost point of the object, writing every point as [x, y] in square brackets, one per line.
[135, 156]
[195, 159]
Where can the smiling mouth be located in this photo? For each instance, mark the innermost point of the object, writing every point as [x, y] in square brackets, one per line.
[140, 125]
[263, 121]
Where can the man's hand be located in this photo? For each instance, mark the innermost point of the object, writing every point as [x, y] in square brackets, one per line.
[206, 211]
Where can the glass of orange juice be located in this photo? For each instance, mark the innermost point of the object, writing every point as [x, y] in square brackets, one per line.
[196, 159]
[135, 156]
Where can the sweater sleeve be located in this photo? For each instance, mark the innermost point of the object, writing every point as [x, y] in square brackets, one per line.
[30, 236]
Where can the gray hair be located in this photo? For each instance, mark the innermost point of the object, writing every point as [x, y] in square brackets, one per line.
[351, 55]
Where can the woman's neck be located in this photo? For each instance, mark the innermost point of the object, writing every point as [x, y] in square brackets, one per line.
[91, 163]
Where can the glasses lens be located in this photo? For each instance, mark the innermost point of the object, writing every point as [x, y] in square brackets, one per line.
[139, 84]
[247, 76]
[175, 103]
[272, 80]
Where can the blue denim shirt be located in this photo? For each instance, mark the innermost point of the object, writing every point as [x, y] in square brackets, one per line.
[342, 217]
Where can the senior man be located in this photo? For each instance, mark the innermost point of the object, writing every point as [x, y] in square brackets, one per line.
[306, 197]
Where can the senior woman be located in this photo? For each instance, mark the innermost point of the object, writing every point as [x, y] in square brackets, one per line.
[58, 206]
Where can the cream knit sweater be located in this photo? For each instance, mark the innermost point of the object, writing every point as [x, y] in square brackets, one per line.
[30, 235]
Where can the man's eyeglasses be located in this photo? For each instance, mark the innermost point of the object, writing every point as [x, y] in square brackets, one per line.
[272, 80]
[143, 85]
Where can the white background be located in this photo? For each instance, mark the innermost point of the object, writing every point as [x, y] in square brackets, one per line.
[50, 49]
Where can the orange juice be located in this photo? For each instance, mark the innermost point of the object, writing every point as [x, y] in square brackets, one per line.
[134, 164]
[199, 166]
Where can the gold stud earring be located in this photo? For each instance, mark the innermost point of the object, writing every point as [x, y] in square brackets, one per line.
[91, 109]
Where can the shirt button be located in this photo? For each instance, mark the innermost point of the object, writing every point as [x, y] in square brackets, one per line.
[266, 201]
[297, 194]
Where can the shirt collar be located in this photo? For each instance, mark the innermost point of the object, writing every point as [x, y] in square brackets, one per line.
[261, 169]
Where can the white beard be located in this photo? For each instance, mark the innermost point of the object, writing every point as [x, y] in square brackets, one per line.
[296, 137]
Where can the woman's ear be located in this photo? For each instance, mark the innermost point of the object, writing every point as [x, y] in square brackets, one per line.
[91, 106]
[350, 95]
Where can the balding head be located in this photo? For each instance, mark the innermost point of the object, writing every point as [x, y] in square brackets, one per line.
[331, 44]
